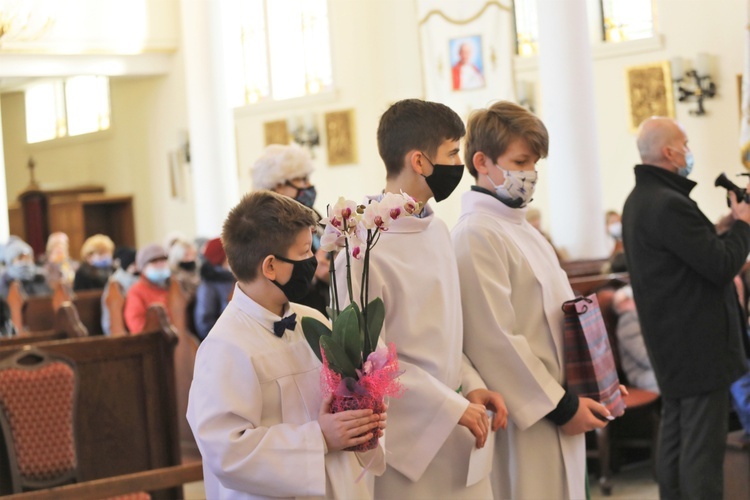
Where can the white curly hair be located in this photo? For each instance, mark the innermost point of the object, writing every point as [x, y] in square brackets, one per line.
[279, 164]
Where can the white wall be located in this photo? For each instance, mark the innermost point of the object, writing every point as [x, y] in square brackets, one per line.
[376, 62]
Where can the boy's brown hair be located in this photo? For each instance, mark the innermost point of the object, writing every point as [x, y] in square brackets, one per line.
[263, 223]
[415, 124]
[491, 130]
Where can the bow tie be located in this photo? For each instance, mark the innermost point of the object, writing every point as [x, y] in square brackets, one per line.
[288, 323]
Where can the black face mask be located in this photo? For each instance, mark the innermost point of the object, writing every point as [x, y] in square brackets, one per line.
[444, 179]
[300, 282]
[306, 196]
[188, 266]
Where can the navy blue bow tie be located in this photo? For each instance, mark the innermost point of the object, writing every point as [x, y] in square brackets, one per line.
[288, 323]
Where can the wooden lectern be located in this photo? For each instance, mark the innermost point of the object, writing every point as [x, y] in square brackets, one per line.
[79, 212]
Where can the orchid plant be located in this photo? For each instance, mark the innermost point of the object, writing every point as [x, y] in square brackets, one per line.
[350, 348]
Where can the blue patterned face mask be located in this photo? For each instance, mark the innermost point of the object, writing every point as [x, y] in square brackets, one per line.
[518, 188]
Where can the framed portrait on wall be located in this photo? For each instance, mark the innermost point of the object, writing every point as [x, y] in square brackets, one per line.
[467, 67]
[467, 51]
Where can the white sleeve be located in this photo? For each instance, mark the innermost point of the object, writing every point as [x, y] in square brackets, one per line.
[224, 412]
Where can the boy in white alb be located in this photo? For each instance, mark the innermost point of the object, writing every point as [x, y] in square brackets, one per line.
[512, 288]
[433, 428]
[255, 404]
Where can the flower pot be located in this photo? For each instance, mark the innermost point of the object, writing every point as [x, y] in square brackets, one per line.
[357, 402]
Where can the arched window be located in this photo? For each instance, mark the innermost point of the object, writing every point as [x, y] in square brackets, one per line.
[286, 49]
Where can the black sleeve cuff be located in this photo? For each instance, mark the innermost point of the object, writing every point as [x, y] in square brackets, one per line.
[566, 409]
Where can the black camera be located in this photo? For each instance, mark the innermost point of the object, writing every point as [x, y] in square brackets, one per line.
[741, 193]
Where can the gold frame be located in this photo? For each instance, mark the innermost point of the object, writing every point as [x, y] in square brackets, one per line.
[649, 92]
[276, 132]
[341, 143]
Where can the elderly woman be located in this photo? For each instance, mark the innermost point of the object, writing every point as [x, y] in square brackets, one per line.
[60, 268]
[286, 170]
[96, 266]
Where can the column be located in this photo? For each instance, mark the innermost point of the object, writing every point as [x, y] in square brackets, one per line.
[211, 122]
[4, 224]
[568, 108]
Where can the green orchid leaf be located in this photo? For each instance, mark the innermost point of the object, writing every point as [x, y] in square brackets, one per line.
[314, 329]
[375, 319]
[331, 313]
[337, 358]
[347, 332]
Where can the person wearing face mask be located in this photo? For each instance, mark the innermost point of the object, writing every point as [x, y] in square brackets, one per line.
[151, 288]
[255, 407]
[20, 267]
[682, 274]
[96, 267]
[617, 262]
[184, 265]
[286, 170]
[60, 268]
[413, 269]
[512, 287]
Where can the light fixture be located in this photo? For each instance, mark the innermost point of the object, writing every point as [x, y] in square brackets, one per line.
[304, 131]
[694, 84]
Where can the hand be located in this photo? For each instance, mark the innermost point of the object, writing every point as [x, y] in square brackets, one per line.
[587, 417]
[382, 417]
[476, 420]
[495, 402]
[740, 209]
[624, 390]
[347, 428]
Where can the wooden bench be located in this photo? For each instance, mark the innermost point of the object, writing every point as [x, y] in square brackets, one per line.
[34, 314]
[180, 310]
[584, 267]
[67, 326]
[586, 285]
[126, 413]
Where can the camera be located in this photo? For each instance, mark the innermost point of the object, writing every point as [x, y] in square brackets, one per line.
[741, 193]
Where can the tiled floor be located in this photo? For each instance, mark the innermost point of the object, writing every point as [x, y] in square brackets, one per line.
[633, 482]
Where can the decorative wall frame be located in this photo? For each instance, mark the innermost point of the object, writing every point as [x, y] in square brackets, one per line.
[467, 51]
[649, 92]
[341, 144]
[276, 132]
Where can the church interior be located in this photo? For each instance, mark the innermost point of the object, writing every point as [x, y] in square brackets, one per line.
[141, 119]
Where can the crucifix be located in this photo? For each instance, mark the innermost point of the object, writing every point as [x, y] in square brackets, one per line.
[33, 184]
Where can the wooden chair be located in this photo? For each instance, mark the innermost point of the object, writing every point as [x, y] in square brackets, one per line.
[37, 314]
[584, 267]
[67, 326]
[126, 412]
[37, 405]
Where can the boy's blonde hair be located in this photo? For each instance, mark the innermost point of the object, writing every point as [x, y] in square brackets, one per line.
[263, 223]
[491, 130]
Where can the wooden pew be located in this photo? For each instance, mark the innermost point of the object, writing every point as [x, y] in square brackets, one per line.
[180, 311]
[584, 267]
[585, 285]
[67, 326]
[36, 314]
[126, 413]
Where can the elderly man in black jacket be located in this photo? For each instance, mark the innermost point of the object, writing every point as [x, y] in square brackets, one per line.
[682, 275]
